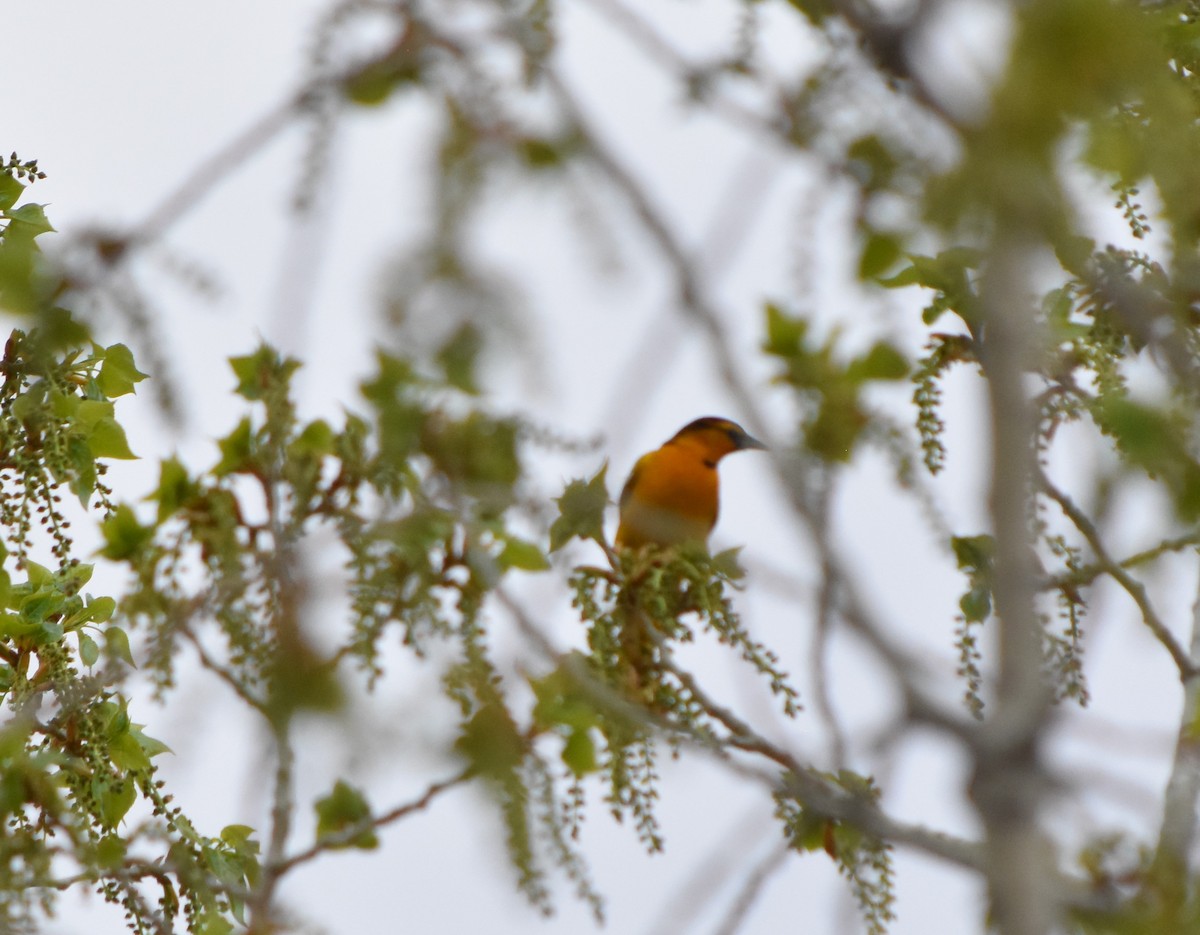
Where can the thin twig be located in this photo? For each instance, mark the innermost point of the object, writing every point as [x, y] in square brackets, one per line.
[281, 823]
[819, 656]
[350, 833]
[1088, 573]
[752, 888]
[1134, 588]
[1177, 834]
[224, 674]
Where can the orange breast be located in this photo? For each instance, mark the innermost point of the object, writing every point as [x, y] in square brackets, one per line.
[671, 497]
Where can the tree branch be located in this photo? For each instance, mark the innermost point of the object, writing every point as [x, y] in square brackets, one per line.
[1134, 588]
[1177, 834]
[1009, 785]
[349, 834]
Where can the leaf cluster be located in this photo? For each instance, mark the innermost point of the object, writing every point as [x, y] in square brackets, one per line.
[832, 389]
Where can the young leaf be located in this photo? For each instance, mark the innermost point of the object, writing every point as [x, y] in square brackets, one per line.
[89, 651]
[118, 375]
[491, 743]
[116, 642]
[10, 190]
[343, 808]
[517, 553]
[123, 535]
[581, 511]
[175, 488]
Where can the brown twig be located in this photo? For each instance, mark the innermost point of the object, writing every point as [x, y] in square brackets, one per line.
[350, 833]
[1134, 588]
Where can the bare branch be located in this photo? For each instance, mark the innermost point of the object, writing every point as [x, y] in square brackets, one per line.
[350, 833]
[1089, 573]
[758, 877]
[224, 674]
[1133, 587]
[1178, 832]
[1009, 785]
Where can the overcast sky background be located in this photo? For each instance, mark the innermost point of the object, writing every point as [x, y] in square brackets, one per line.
[122, 100]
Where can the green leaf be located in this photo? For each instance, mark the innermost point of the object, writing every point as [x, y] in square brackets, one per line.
[116, 642]
[28, 406]
[263, 371]
[211, 922]
[100, 609]
[236, 450]
[837, 425]
[89, 651]
[976, 604]
[517, 553]
[458, 357]
[579, 753]
[727, 563]
[151, 746]
[815, 10]
[57, 332]
[239, 838]
[127, 754]
[343, 808]
[39, 605]
[94, 420]
[30, 219]
[233, 869]
[947, 274]
[317, 440]
[879, 254]
[83, 465]
[48, 633]
[374, 83]
[110, 851]
[1153, 440]
[124, 536]
[11, 190]
[906, 277]
[871, 162]
[974, 553]
[786, 334]
[808, 831]
[107, 440]
[581, 511]
[491, 742]
[118, 374]
[74, 577]
[881, 362]
[175, 488]
[114, 799]
[39, 575]
[478, 452]
[560, 702]
[20, 291]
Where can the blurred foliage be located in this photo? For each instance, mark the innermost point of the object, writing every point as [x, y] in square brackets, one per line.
[415, 500]
[610, 701]
[830, 389]
[865, 861]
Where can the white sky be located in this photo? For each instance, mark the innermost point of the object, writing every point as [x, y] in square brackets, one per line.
[125, 98]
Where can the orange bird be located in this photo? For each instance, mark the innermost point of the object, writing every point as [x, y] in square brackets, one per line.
[672, 495]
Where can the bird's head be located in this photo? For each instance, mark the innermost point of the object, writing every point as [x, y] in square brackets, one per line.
[715, 436]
